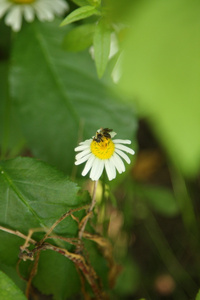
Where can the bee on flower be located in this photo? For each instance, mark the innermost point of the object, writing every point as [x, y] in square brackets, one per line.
[102, 151]
[45, 10]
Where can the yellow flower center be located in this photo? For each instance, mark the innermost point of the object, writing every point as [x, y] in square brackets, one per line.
[103, 149]
[23, 1]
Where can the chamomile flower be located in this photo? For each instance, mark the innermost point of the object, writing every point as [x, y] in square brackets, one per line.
[102, 151]
[45, 10]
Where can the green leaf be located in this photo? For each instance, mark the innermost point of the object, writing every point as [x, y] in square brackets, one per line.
[86, 2]
[11, 139]
[198, 296]
[160, 199]
[79, 14]
[57, 276]
[161, 70]
[102, 39]
[79, 38]
[3, 114]
[33, 194]
[8, 289]
[80, 2]
[68, 102]
[5, 41]
[94, 2]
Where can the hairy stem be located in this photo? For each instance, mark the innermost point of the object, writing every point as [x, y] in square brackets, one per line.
[89, 211]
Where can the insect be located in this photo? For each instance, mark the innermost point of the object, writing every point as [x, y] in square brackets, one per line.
[102, 132]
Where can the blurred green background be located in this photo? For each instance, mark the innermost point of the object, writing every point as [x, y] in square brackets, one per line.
[54, 94]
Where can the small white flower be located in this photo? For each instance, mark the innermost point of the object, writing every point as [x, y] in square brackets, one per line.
[103, 152]
[45, 10]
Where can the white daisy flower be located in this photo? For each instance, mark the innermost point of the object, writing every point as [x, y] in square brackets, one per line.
[103, 152]
[45, 10]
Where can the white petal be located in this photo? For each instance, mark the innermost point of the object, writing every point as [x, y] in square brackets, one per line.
[28, 13]
[14, 18]
[4, 7]
[86, 142]
[112, 134]
[83, 159]
[82, 154]
[88, 165]
[100, 170]
[117, 161]
[80, 148]
[97, 169]
[110, 169]
[42, 11]
[39, 12]
[123, 155]
[121, 141]
[124, 148]
[58, 6]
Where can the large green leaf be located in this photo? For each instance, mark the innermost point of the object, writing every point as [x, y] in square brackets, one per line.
[11, 139]
[59, 96]
[162, 71]
[57, 276]
[8, 290]
[33, 194]
[3, 93]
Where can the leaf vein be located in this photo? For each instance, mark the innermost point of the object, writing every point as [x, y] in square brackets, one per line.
[19, 195]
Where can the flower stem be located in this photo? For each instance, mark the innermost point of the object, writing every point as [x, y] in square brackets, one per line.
[89, 210]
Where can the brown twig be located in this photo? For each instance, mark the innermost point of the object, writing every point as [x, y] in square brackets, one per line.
[65, 215]
[17, 233]
[77, 257]
[32, 274]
